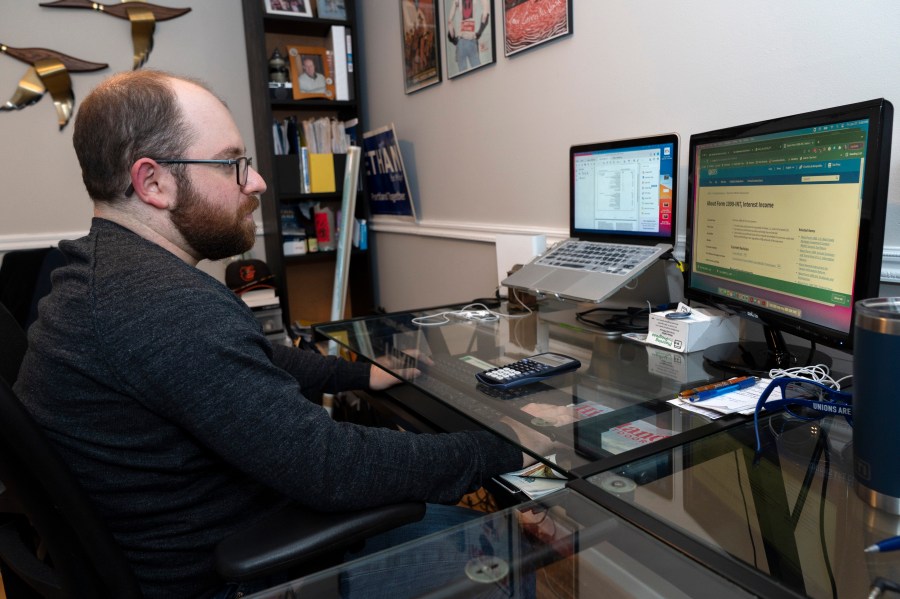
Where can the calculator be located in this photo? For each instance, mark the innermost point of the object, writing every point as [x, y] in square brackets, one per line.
[527, 370]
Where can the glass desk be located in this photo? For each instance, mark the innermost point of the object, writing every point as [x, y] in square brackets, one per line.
[564, 546]
[791, 513]
[615, 404]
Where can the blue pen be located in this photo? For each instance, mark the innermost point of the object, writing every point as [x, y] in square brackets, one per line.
[704, 395]
[891, 544]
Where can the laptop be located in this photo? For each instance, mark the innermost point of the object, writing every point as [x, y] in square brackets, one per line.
[621, 220]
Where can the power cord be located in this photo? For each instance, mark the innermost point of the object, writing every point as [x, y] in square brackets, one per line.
[622, 320]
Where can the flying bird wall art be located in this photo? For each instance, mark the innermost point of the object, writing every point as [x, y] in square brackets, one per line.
[48, 70]
[143, 17]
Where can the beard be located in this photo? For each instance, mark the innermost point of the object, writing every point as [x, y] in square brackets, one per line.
[213, 233]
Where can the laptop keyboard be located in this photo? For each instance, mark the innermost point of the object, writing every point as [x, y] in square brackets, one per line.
[597, 257]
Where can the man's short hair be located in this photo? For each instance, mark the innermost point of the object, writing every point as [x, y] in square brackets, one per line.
[129, 116]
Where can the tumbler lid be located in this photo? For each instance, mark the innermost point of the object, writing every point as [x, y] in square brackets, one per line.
[879, 314]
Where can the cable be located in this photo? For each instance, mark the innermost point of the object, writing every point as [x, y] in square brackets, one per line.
[819, 373]
[622, 320]
[475, 311]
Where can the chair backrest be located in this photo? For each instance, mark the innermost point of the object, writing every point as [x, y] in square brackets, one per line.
[13, 344]
[84, 559]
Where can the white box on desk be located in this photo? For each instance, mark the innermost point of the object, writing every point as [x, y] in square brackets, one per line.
[703, 328]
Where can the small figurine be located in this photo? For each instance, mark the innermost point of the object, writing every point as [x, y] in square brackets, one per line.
[278, 71]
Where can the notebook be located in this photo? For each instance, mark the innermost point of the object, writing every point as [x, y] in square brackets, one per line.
[621, 202]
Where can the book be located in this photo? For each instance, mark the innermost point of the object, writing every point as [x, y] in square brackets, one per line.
[337, 42]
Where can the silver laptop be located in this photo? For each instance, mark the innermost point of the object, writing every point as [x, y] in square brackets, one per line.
[621, 220]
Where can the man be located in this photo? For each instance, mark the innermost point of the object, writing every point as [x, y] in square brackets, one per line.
[311, 82]
[155, 381]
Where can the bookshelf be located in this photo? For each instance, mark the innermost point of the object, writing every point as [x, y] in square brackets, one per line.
[305, 282]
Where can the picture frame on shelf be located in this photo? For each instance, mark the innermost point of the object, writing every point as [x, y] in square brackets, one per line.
[331, 9]
[421, 52]
[530, 23]
[311, 75]
[292, 8]
[470, 42]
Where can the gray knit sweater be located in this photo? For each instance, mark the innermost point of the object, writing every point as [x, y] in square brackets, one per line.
[184, 423]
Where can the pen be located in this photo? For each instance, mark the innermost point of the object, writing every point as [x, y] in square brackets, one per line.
[891, 544]
[725, 383]
[704, 395]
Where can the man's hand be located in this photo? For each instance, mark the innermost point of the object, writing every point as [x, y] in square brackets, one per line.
[528, 437]
[380, 379]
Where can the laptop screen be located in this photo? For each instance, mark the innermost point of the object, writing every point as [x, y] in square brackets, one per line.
[624, 191]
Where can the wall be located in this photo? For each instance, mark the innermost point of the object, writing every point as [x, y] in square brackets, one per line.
[44, 199]
[487, 151]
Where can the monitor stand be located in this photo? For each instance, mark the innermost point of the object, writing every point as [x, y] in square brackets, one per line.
[757, 358]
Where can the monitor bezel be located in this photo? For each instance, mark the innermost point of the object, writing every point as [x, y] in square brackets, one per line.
[620, 144]
[867, 276]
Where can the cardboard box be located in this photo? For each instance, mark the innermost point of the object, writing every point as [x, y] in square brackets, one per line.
[703, 328]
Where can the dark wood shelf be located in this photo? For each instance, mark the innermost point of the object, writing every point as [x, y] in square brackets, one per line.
[304, 281]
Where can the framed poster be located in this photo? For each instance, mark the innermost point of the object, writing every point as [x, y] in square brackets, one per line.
[310, 73]
[470, 41]
[294, 8]
[529, 23]
[385, 174]
[421, 52]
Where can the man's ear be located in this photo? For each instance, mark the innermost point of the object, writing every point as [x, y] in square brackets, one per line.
[152, 184]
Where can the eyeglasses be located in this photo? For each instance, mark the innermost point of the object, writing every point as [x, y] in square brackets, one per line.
[241, 164]
[805, 400]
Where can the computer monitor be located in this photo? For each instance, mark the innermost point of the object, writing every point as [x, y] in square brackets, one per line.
[785, 226]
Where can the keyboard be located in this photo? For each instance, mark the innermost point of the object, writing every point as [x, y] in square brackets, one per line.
[597, 257]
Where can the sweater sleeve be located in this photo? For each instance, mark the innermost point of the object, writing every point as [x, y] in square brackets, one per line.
[316, 372]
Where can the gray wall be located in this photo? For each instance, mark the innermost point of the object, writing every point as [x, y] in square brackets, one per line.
[487, 151]
[43, 197]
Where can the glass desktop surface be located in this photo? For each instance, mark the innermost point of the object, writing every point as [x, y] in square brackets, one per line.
[614, 403]
[562, 546]
[792, 514]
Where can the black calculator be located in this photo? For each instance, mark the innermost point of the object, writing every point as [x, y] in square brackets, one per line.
[527, 370]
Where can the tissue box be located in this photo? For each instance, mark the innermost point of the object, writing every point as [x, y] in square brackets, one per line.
[703, 328]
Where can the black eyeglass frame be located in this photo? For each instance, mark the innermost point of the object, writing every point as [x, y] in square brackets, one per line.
[838, 403]
[241, 164]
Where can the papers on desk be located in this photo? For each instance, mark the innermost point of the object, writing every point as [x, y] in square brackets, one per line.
[741, 401]
[536, 480]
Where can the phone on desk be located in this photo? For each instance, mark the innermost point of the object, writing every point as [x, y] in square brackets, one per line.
[527, 370]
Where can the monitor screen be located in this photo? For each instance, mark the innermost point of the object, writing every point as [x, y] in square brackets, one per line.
[786, 220]
[624, 189]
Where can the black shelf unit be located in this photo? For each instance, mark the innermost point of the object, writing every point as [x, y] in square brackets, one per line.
[305, 282]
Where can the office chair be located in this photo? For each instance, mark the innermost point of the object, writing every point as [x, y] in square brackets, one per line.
[13, 343]
[43, 509]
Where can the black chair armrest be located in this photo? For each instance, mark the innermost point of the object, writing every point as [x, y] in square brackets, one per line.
[293, 537]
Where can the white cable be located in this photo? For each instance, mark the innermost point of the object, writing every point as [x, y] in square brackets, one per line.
[477, 312]
[819, 373]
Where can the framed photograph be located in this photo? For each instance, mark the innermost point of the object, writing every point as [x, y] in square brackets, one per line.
[470, 41]
[311, 75]
[421, 52]
[529, 23]
[331, 9]
[294, 8]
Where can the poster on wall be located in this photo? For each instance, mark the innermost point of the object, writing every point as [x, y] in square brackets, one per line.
[470, 41]
[529, 23]
[385, 174]
[421, 53]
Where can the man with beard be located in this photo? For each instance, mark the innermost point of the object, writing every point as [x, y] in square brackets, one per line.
[156, 383]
